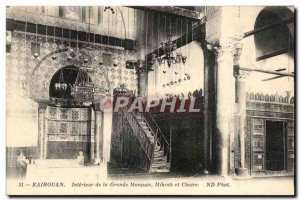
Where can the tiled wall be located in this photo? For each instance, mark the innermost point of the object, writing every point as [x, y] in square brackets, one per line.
[36, 73]
[28, 80]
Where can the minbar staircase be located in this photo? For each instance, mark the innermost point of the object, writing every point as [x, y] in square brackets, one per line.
[151, 139]
[160, 158]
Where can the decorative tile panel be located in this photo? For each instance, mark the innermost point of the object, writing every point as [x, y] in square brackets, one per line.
[51, 127]
[63, 113]
[52, 112]
[75, 128]
[63, 127]
[84, 115]
[75, 114]
[31, 76]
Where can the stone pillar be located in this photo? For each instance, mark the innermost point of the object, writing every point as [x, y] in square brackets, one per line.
[143, 77]
[92, 141]
[225, 100]
[42, 131]
[209, 61]
[223, 31]
[98, 136]
[141, 53]
[241, 105]
[107, 132]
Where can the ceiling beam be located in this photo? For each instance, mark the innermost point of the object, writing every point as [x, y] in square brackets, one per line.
[264, 71]
[273, 78]
[172, 10]
[276, 53]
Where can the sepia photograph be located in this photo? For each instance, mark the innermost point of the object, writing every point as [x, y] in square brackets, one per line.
[150, 100]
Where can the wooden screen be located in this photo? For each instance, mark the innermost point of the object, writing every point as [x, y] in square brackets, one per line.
[68, 132]
[68, 124]
[258, 144]
[290, 145]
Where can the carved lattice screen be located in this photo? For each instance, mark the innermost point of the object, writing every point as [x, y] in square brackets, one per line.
[68, 124]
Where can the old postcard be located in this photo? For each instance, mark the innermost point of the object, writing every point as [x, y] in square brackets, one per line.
[150, 100]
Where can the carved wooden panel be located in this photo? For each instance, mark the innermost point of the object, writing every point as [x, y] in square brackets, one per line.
[68, 124]
[258, 144]
[290, 145]
[260, 108]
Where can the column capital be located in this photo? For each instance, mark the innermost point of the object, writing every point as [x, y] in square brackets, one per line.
[241, 74]
[225, 49]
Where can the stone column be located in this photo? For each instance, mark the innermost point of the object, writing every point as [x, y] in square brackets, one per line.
[98, 136]
[92, 141]
[42, 131]
[241, 105]
[143, 77]
[225, 100]
[106, 134]
[209, 61]
[141, 53]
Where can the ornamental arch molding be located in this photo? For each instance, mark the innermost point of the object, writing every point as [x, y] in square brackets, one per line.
[47, 66]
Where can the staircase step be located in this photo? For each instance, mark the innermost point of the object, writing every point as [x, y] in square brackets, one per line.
[159, 170]
[139, 117]
[159, 165]
[161, 158]
[159, 161]
[163, 167]
[151, 138]
[145, 128]
[157, 148]
[143, 123]
[158, 154]
[147, 131]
